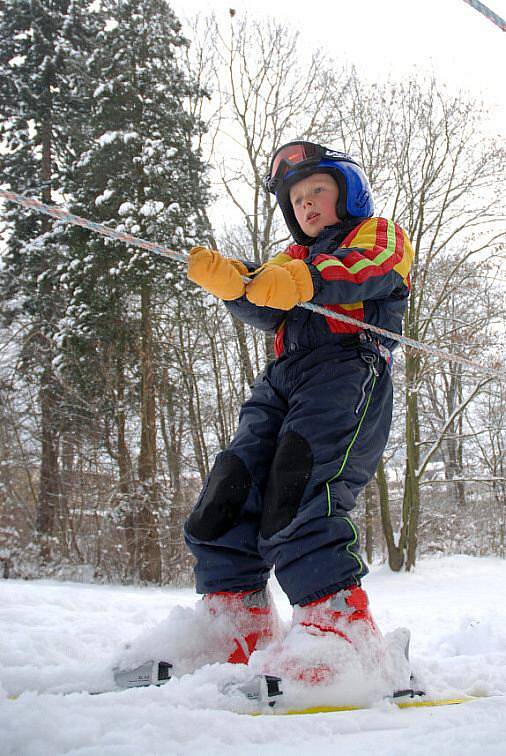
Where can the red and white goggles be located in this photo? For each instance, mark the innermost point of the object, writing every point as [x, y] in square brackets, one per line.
[297, 155]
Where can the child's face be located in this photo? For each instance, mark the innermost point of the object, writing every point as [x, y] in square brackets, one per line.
[314, 202]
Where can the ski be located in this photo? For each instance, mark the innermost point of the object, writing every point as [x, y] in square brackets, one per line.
[267, 692]
[263, 695]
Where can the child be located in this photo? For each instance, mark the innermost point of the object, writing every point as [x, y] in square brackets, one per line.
[311, 434]
[316, 424]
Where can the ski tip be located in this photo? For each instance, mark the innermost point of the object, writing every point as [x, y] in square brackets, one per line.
[411, 703]
[435, 702]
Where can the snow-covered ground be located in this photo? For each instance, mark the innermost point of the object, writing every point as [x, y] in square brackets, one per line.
[58, 636]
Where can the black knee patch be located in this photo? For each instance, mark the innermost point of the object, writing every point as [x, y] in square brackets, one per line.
[222, 499]
[290, 472]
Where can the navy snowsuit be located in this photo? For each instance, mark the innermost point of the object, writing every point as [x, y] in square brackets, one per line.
[313, 430]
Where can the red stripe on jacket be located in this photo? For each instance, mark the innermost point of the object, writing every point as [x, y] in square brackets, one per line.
[340, 273]
[337, 326]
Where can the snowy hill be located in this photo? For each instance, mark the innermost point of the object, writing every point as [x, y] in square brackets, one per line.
[55, 636]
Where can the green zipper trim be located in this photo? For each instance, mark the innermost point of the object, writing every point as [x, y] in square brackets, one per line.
[350, 445]
[352, 543]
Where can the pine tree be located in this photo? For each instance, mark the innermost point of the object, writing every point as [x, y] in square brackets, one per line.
[139, 173]
[39, 43]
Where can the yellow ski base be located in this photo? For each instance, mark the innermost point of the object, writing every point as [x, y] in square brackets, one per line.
[400, 705]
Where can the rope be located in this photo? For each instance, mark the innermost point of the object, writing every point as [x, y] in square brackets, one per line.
[420, 346]
[134, 241]
[497, 20]
[57, 212]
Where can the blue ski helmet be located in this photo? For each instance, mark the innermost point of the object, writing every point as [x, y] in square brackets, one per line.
[297, 160]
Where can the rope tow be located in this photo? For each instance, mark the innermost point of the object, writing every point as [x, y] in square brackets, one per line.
[134, 241]
[406, 341]
[481, 8]
[76, 220]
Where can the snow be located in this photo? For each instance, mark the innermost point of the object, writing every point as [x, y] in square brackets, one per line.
[16, 61]
[59, 636]
[125, 208]
[151, 208]
[104, 197]
[108, 137]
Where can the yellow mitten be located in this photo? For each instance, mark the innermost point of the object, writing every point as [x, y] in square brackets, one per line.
[219, 275]
[281, 286]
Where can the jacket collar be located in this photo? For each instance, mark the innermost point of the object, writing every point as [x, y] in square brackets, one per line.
[336, 233]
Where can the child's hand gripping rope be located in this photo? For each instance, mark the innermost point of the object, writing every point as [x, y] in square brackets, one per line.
[281, 286]
[220, 276]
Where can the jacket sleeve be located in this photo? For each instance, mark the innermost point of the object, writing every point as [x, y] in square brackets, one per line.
[375, 262]
[264, 318]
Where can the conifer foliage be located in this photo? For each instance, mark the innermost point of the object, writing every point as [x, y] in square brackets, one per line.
[95, 115]
[40, 42]
[141, 174]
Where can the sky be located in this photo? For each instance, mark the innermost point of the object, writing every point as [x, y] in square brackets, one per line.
[391, 37]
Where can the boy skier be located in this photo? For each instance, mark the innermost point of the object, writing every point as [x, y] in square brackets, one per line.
[310, 436]
[313, 431]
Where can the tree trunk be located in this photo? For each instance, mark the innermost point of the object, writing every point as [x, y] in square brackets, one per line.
[46, 164]
[269, 347]
[461, 489]
[411, 500]
[171, 433]
[49, 484]
[221, 430]
[67, 524]
[172, 429]
[246, 367]
[194, 417]
[125, 471]
[395, 554]
[149, 560]
[454, 464]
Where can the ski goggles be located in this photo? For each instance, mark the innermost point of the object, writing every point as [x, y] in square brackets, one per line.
[294, 154]
[298, 155]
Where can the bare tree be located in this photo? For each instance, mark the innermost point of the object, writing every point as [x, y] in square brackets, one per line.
[260, 97]
[438, 177]
[431, 171]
